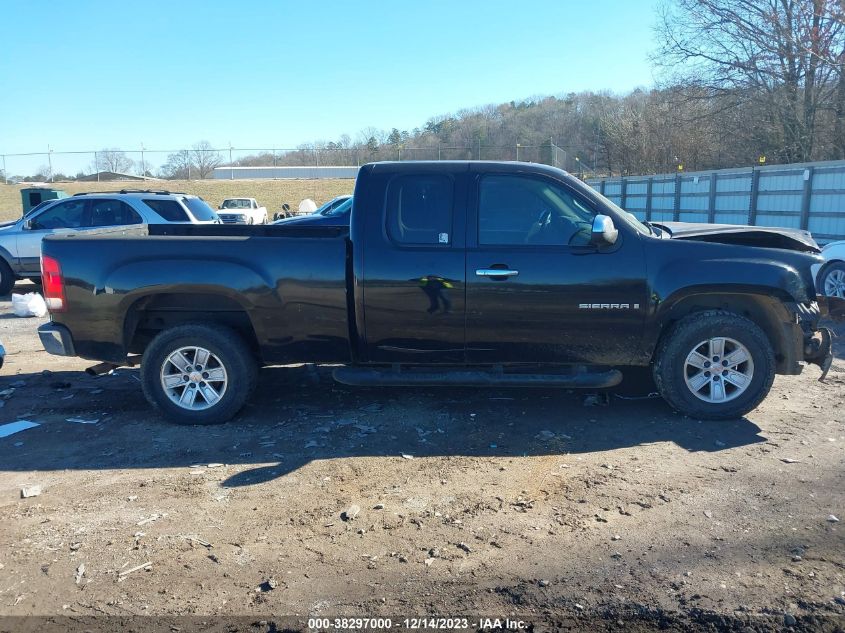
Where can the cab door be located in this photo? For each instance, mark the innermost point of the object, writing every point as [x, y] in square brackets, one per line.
[414, 266]
[537, 290]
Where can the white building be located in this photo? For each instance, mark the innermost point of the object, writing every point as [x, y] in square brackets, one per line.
[261, 173]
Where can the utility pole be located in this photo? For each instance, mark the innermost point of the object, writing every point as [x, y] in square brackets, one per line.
[5, 173]
[50, 161]
[231, 165]
[143, 164]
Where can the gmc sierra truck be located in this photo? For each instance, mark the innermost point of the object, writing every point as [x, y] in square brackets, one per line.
[450, 273]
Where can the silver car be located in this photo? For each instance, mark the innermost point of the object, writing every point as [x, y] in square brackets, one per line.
[20, 241]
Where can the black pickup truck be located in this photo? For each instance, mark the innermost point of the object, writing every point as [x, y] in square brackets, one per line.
[456, 273]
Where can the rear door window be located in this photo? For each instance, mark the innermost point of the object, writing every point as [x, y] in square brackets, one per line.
[170, 210]
[419, 210]
[112, 213]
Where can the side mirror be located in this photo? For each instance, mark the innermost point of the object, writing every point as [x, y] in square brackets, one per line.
[27, 225]
[604, 232]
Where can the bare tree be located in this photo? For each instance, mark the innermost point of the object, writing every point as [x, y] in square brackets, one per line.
[178, 166]
[766, 51]
[112, 159]
[204, 159]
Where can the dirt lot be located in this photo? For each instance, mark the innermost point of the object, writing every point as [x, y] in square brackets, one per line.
[524, 503]
[270, 193]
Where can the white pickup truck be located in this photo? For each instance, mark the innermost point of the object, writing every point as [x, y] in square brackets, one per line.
[242, 211]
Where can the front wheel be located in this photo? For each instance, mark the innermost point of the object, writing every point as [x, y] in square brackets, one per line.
[715, 365]
[198, 373]
[832, 280]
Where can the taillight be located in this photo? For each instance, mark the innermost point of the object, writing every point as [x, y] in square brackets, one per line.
[53, 284]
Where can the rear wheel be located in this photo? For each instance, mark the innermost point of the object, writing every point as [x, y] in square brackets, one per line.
[198, 373]
[7, 278]
[715, 365]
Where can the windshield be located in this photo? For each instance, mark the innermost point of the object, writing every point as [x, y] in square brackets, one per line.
[236, 203]
[200, 209]
[340, 209]
[330, 205]
[628, 218]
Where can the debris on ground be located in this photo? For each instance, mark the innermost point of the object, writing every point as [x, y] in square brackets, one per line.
[82, 420]
[350, 513]
[80, 572]
[31, 304]
[267, 585]
[150, 519]
[16, 427]
[122, 574]
[30, 491]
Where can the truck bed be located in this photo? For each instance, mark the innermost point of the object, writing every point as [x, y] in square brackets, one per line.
[288, 283]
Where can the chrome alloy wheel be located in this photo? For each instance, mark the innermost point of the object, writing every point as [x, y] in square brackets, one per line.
[718, 370]
[834, 283]
[194, 378]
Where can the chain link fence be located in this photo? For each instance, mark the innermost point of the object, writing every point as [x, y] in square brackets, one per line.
[199, 162]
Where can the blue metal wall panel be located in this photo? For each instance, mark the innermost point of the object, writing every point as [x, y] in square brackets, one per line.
[782, 181]
[731, 218]
[635, 187]
[730, 183]
[779, 201]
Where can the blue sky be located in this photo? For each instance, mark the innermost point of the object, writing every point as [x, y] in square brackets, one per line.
[86, 74]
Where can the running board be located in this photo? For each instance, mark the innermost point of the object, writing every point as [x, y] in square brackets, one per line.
[383, 377]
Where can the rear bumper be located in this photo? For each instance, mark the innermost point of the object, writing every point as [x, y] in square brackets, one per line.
[56, 339]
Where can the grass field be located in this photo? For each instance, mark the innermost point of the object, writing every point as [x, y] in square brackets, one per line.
[270, 193]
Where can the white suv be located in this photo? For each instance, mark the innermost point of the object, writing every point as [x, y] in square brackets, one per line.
[20, 241]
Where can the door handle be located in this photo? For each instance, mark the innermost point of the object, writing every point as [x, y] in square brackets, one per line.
[496, 272]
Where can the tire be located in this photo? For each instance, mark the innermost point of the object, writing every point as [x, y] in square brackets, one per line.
[7, 278]
[725, 392]
[833, 275]
[226, 349]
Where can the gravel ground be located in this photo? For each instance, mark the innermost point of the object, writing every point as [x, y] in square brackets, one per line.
[321, 500]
